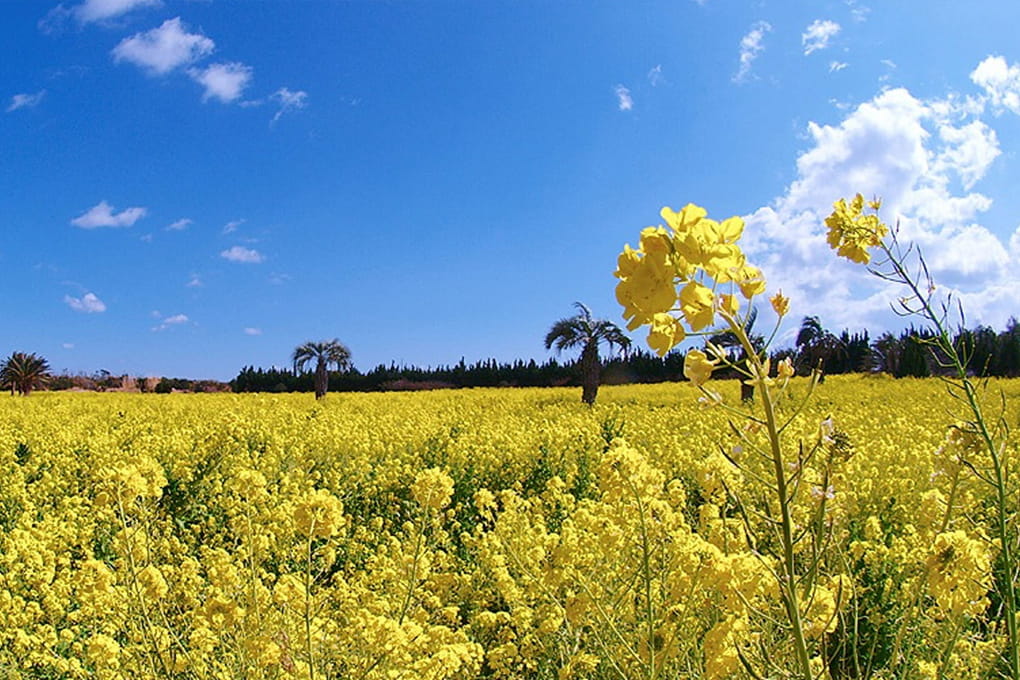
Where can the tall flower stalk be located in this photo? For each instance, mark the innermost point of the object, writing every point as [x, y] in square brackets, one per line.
[693, 279]
[854, 233]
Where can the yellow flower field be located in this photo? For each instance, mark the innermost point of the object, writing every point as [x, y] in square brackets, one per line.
[493, 533]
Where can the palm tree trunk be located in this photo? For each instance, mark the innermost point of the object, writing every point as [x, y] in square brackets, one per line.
[321, 379]
[590, 373]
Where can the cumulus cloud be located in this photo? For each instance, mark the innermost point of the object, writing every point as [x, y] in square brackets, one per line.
[195, 281]
[104, 215]
[180, 225]
[923, 158]
[818, 34]
[288, 100]
[751, 45]
[623, 98]
[225, 82]
[253, 331]
[1000, 81]
[242, 255]
[163, 49]
[86, 304]
[25, 101]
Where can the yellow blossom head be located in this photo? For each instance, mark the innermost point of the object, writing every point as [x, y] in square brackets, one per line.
[780, 304]
[665, 334]
[852, 232]
[697, 368]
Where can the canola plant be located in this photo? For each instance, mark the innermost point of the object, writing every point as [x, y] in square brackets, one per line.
[490, 533]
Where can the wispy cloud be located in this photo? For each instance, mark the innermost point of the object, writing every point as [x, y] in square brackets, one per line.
[818, 34]
[655, 77]
[180, 225]
[86, 304]
[242, 255]
[163, 49]
[623, 98]
[252, 331]
[103, 215]
[858, 11]
[288, 101]
[225, 82]
[91, 11]
[231, 226]
[837, 66]
[195, 281]
[26, 101]
[751, 45]
[170, 321]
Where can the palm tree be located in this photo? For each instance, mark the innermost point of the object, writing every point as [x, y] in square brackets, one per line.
[816, 346]
[24, 372]
[586, 332]
[325, 354]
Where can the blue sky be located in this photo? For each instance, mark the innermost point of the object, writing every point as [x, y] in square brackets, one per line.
[190, 187]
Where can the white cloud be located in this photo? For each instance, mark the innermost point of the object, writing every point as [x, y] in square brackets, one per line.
[750, 47]
[288, 101]
[180, 224]
[68, 345]
[225, 82]
[1000, 81]
[253, 331]
[655, 77]
[231, 226]
[858, 12]
[623, 99]
[175, 320]
[102, 10]
[923, 158]
[25, 101]
[87, 303]
[243, 255]
[837, 66]
[163, 49]
[818, 34]
[91, 11]
[103, 215]
[194, 282]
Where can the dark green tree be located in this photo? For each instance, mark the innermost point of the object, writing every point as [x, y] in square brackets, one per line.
[23, 372]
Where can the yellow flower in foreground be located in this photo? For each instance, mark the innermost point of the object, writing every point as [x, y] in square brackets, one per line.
[729, 304]
[697, 368]
[696, 305]
[665, 334]
[751, 281]
[851, 232]
[681, 222]
[646, 283]
[780, 304]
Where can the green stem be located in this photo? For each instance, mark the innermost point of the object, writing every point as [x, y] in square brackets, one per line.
[788, 577]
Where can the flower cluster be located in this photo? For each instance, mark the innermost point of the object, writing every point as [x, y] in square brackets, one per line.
[852, 232]
[681, 270]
